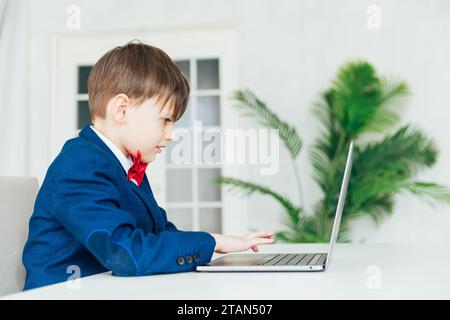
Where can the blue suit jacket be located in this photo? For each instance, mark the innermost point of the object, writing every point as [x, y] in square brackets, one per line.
[87, 215]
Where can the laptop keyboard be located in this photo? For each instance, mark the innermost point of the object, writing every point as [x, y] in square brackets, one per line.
[291, 259]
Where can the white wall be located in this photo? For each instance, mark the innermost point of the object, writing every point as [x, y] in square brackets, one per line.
[289, 51]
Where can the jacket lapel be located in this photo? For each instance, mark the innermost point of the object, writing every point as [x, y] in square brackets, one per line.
[150, 202]
[144, 191]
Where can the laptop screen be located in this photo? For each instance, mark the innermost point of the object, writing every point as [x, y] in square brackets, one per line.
[341, 201]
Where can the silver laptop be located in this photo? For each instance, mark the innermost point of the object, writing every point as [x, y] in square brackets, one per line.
[286, 262]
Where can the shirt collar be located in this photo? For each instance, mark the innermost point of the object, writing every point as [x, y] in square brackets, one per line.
[126, 162]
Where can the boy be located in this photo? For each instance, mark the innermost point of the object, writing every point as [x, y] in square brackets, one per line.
[95, 210]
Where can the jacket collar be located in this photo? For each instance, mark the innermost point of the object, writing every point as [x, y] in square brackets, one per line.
[125, 161]
[89, 134]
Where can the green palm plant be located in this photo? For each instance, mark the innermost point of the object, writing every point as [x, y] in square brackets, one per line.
[358, 102]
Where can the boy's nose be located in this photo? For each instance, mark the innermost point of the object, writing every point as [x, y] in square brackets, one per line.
[170, 134]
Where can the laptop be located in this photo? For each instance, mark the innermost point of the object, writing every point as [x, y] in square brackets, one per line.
[284, 262]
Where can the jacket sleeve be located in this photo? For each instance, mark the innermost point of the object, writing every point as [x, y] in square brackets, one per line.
[169, 226]
[87, 205]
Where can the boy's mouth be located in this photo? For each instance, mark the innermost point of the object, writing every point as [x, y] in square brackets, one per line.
[158, 148]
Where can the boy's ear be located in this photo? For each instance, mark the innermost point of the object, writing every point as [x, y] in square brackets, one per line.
[119, 107]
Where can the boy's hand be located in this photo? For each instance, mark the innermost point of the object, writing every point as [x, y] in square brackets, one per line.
[225, 244]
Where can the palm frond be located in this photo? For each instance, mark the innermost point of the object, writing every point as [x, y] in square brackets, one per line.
[406, 151]
[361, 101]
[392, 102]
[377, 207]
[354, 97]
[304, 231]
[430, 191]
[250, 188]
[383, 169]
[326, 146]
[258, 109]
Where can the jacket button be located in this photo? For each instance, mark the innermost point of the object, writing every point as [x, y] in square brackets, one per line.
[180, 261]
[196, 258]
[189, 259]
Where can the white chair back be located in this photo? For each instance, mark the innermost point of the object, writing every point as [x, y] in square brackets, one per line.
[17, 197]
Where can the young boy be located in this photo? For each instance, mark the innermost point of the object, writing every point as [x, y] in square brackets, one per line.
[95, 210]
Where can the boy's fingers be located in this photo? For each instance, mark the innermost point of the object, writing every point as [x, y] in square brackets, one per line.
[257, 241]
[260, 234]
[265, 233]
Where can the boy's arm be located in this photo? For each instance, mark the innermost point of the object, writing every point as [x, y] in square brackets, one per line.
[168, 226]
[87, 204]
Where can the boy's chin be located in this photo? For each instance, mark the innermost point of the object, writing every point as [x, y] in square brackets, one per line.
[149, 157]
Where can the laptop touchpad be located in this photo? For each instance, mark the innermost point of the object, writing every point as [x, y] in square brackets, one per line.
[237, 260]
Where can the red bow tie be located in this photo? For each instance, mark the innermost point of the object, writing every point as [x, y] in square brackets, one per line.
[137, 170]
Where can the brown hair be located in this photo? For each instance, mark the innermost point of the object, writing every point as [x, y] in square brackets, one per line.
[141, 72]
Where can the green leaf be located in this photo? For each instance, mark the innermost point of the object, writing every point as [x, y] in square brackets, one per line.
[405, 152]
[361, 101]
[392, 102]
[256, 108]
[249, 188]
[430, 191]
[382, 169]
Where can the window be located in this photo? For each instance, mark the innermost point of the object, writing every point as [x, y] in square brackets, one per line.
[194, 202]
[83, 114]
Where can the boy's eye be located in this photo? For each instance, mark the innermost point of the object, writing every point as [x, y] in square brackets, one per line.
[166, 121]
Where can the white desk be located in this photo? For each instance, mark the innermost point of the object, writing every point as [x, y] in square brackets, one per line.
[357, 271]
